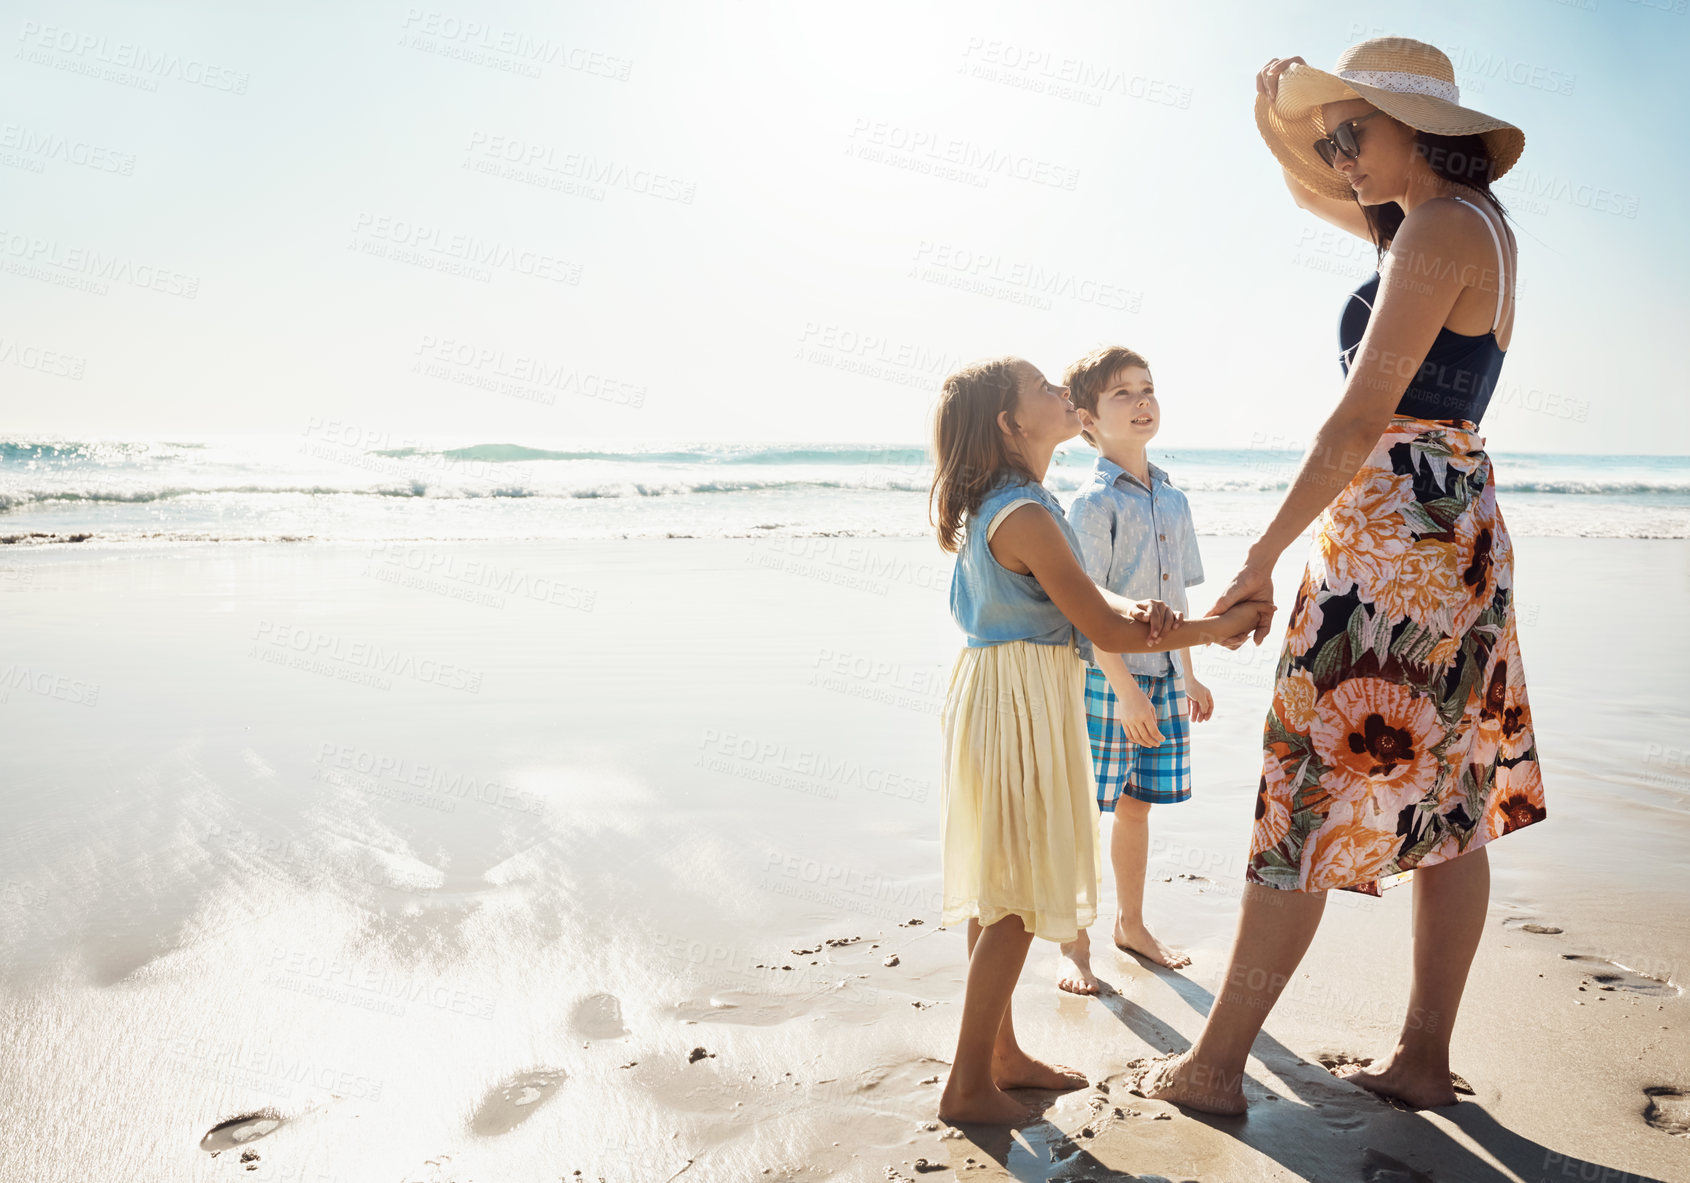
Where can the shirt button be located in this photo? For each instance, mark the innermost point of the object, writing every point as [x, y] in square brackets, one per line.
[1163, 537]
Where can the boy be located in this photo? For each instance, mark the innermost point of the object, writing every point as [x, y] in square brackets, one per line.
[1137, 541]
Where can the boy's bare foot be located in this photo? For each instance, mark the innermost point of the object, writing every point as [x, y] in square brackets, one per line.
[1076, 976]
[1139, 939]
[1418, 1089]
[1180, 1081]
[987, 1105]
[1018, 1070]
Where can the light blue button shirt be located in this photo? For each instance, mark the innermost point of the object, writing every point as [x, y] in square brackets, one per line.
[991, 603]
[1138, 542]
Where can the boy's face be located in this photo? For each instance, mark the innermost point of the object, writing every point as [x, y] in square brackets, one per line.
[1127, 410]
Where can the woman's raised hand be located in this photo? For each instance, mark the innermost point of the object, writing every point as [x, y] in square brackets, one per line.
[1251, 583]
[1267, 82]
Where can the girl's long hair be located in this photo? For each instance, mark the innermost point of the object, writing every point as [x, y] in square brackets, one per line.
[1465, 160]
[970, 453]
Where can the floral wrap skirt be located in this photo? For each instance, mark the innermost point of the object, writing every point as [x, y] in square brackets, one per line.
[1400, 735]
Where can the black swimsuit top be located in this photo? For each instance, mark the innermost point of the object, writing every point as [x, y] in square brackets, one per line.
[1460, 372]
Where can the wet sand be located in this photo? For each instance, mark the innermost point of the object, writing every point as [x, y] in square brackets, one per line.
[511, 861]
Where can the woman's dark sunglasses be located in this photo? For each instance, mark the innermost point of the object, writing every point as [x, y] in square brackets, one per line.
[1342, 139]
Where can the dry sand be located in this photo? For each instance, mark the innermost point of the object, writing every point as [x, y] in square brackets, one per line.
[554, 861]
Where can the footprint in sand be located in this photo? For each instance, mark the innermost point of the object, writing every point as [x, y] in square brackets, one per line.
[598, 1016]
[1377, 1167]
[1521, 924]
[1668, 1110]
[1609, 975]
[514, 1102]
[238, 1131]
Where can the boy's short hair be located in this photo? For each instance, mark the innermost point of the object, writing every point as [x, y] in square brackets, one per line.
[1090, 377]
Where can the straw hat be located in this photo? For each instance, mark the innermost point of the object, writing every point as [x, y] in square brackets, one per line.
[1408, 80]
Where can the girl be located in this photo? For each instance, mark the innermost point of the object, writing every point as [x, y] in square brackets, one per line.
[1019, 827]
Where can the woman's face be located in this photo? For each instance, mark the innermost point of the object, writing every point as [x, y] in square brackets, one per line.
[1384, 151]
[1042, 407]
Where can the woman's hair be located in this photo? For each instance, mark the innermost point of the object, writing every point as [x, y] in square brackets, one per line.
[1092, 374]
[969, 450]
[1463, 159]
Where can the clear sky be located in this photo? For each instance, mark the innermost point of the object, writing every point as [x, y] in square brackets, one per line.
[719, 222]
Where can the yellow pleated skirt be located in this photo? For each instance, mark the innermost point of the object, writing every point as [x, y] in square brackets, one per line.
[1019, 828]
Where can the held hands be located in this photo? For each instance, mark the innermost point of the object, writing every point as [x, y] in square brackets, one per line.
[1158, 616]
[1267, 82]
[1253, 584]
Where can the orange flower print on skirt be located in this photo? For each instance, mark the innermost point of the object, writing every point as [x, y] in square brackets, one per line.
[1400, 735]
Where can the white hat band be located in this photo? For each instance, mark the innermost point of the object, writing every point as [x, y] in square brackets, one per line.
[1403, 83]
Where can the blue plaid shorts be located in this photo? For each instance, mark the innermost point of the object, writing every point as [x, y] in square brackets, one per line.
[1159, 775]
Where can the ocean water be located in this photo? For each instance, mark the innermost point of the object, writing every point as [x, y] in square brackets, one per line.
[337, 484]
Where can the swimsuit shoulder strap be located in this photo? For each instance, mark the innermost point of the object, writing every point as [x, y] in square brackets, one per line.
[1502, 257]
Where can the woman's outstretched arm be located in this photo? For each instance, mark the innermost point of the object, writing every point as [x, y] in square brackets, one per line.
[1426, 270]
[1029, 534]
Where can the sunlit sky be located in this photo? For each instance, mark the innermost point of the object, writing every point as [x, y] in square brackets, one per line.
[735, 222]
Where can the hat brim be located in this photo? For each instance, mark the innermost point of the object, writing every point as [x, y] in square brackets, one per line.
[1291, 124]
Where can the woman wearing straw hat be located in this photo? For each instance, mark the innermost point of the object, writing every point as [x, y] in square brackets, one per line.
[1399, 742]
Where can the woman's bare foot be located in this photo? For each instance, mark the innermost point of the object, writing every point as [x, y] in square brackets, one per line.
[1018, 1070]
[1179, 1081]
[1076, 976]
[1418, 1088]
[990, 1105]
[1139, 939]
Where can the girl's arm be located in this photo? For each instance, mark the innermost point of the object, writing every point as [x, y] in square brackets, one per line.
[1029, 536]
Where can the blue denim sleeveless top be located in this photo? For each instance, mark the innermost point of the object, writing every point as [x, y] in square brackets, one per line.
[991, 603]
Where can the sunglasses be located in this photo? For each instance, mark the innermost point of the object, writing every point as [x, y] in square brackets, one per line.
[1343, 139]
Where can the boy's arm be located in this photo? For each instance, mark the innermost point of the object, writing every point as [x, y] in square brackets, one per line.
[1137, 714]
[1201, 698]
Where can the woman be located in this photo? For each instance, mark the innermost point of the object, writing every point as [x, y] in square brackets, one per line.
[1400, 736]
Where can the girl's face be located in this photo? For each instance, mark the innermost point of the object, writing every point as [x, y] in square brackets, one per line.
[1384, 151]
[1042, 408]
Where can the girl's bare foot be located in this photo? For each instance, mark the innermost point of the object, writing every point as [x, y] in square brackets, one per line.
[1018, 1070]
[1181, 1081]
[990, 1105]
[1076, 976]
[1418, 1088]
[1139, 939]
